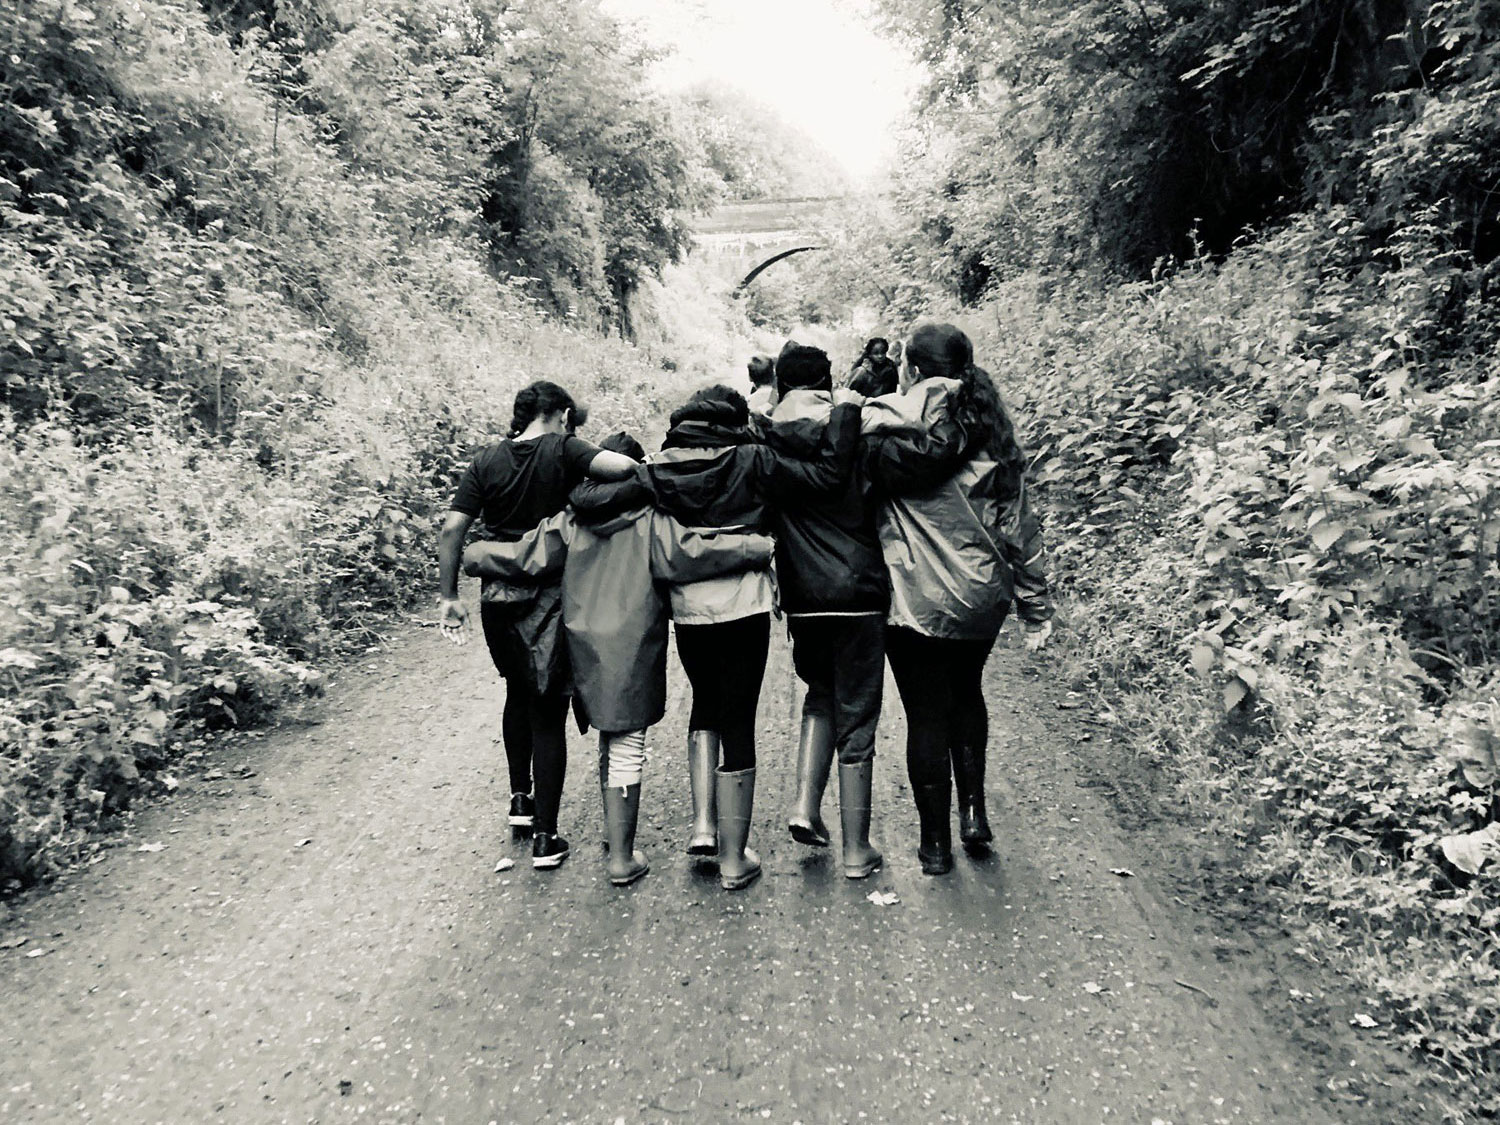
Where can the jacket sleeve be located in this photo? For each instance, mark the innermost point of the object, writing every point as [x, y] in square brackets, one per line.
[538, 556]
[904, 462]
[1027, 550]
[828, 468]
[594, 501]
[681, 554]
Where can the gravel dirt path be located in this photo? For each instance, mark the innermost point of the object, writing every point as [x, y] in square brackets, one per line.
[326, 940]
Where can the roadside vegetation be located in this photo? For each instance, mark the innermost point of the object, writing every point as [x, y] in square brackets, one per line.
[1236, 266]
[268, 273]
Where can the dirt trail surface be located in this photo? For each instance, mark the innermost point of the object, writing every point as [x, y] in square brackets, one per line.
[327, 940]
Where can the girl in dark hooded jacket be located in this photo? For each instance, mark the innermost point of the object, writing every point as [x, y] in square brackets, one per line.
[712, 473]
[836, 594]
[958, 552]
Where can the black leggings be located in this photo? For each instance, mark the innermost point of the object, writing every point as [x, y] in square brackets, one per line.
[940, 684]
[725, 664]
[533, 727]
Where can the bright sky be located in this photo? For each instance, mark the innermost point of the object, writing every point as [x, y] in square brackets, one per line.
[816, 62]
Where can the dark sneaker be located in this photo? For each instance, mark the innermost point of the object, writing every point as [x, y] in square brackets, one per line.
[548, 850]
[522, 810]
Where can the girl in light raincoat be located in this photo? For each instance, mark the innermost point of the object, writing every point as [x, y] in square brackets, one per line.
[958, 554]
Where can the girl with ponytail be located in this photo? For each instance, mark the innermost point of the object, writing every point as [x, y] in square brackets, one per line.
[515, 484]
[960, 545]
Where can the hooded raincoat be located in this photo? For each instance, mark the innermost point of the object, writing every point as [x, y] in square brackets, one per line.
[715, 475]
[961, 550]
[615, 555]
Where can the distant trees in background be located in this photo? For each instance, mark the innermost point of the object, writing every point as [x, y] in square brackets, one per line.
[1124, 132]
[752, 151]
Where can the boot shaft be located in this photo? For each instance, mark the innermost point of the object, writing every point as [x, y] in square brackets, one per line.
[855, 785]
[703, 763]
[934, 816]
[814, 760]
[968, 773]
[738, 865]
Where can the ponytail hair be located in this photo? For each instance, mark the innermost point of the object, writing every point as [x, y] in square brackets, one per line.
[944, 351]
[539, 400]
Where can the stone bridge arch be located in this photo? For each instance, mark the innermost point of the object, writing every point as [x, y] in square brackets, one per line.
[747, 237]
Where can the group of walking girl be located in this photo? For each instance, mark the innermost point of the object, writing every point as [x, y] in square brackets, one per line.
[895, 526]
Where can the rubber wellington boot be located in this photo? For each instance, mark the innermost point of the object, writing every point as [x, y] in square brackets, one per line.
[622, 806]
[968, 780]
[703, 763]
[860, 859]
[738, 865]
[935, 847]
[814, 759]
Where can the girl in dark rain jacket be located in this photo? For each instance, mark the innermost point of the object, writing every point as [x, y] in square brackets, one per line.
[836, 594]
[613, 552]
[712, 473]
[958, 554]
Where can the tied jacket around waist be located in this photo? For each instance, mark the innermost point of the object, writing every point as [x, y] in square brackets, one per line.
[713, 475]
[615, 555]
[960, 550]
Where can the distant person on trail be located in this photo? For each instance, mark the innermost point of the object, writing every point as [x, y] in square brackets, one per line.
[958, 554]
[836, 594]
[613, 553]
[515, 484]
[713, 473]
[762, 384]
[875, 373]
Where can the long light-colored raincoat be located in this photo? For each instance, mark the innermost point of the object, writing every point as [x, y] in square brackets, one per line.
[959, 553]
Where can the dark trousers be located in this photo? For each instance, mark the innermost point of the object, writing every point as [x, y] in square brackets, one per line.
[533, 726]
[725, 663]
[842, 662]
[940, 684]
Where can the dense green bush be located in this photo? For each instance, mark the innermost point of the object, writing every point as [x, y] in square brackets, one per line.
[1063, 135]
[252, 329]
[1274, 511]
[1235, 261]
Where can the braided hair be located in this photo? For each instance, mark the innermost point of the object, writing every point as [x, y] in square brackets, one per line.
[944, 351]
[539, 400]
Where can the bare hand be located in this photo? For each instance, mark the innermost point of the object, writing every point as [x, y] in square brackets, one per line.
[1036, 636]
[453, 621]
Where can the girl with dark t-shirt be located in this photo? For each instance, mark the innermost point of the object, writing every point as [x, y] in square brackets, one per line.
[513, 485]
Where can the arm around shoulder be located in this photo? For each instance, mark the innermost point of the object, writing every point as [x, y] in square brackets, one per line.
[682, 554]
[903, 462]
[608, 465]
[828, 468]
